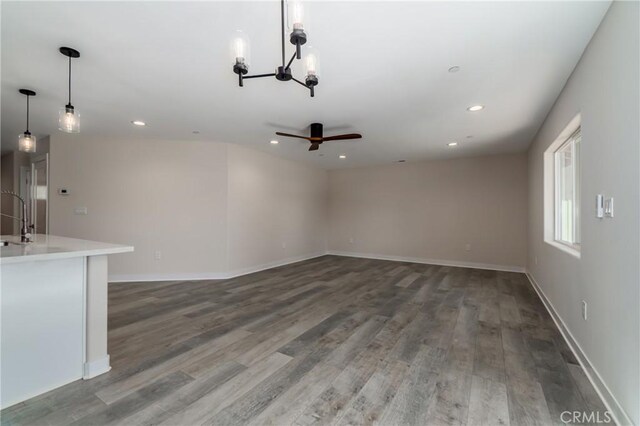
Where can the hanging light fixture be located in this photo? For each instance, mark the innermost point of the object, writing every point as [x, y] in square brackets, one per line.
[69, 117]
[26, 141]
[311, 66]
[297, 37]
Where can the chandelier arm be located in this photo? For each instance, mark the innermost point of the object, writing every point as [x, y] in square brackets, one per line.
[259, 75]
[299, 82]
[291, 61]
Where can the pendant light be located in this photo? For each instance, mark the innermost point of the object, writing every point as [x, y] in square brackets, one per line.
[26, 141]
[69, 117]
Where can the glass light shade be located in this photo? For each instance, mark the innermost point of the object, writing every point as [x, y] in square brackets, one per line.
[69, 120]
[297, 15]
[311, 61]
[27, 142]
[240, 48]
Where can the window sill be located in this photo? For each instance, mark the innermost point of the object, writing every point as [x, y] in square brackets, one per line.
[565, 248]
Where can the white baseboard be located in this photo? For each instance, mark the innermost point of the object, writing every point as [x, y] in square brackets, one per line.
[275, 264]
[456, 263]
[181, 276]
[195, 276]
[96, 368]
[610, 401]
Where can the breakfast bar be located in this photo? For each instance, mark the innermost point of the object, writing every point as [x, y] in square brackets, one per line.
[53, 298]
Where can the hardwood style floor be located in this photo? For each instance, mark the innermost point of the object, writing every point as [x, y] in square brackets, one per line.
[333, 340]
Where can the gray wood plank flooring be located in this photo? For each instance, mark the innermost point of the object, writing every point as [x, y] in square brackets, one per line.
[332, 340]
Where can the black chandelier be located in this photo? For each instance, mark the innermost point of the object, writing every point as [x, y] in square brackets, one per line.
[240, 50]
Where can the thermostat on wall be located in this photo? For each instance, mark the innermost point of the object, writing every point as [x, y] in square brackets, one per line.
[63, 191]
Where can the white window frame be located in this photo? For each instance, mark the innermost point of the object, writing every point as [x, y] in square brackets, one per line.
[572, 141]
[552, 193]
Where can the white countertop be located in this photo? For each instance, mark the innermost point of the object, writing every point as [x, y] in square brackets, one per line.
[50, 247]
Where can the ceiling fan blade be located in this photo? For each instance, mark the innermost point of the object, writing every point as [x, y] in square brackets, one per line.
[343, 137]
[314, 147]
[289, 135]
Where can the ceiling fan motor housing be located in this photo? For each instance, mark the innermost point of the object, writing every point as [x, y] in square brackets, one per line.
[316, 130]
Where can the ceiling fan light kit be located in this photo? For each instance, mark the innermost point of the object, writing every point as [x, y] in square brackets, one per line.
[240, 50]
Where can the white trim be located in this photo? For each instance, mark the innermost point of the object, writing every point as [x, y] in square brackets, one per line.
[456, 263]
[550, 189]
[85, 292]
[95, 368]
[194, 276]
[565, 248]
[275, 264]
[605, 394]
[186, 276]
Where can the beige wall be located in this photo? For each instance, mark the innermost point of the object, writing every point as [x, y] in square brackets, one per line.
[277, 209]
[167, 196]
[604, 89]
[211, 209]
[430, 211]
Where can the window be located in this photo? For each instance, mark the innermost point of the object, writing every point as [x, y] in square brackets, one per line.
[567, 192]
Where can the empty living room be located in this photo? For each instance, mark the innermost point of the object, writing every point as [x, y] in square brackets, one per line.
[322, 212]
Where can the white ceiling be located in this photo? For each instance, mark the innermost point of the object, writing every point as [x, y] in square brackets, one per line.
[383, 73]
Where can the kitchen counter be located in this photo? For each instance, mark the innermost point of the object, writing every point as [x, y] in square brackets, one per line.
[53, 317]
[52, 247]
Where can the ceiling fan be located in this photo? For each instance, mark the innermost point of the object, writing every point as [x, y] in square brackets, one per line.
[316, 137]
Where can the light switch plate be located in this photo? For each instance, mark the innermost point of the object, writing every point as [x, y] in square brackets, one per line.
[599, 206]
[80, 210]
[608, 207]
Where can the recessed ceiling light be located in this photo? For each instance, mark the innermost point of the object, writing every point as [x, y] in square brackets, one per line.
[454, 69]
[274, 142]
[475, 108]
[342, 156]
[469, 136]
[452, 144]
[196, 132]
[138, 123]
[401, 161]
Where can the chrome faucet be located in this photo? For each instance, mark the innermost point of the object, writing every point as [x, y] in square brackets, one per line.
[25, 234]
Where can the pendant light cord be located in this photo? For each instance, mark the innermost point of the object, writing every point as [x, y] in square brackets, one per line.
[27, 113]
[69, 80]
